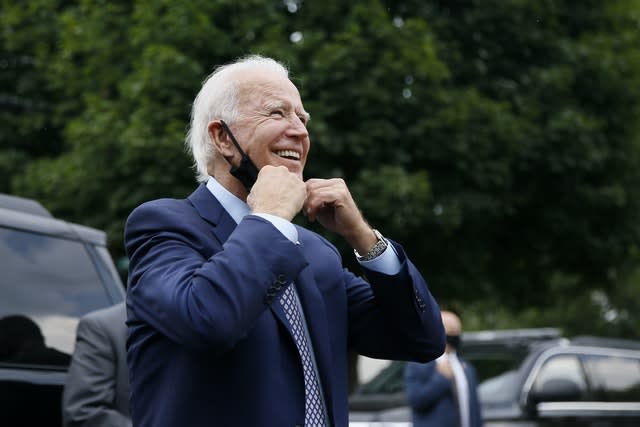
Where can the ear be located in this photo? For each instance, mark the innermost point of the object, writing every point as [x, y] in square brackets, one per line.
[220, 139]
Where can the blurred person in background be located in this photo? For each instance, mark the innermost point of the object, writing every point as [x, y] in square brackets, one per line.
[443, 392]
[97, 390]
[238, 317]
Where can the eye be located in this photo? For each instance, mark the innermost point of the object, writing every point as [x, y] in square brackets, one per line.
[277, 113]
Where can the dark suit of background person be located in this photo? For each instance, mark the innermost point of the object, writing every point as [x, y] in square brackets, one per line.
[431, 389]
[209, 343]
[97, 390]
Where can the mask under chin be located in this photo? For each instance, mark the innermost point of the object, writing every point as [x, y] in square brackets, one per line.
[454, 341]
[246, 172]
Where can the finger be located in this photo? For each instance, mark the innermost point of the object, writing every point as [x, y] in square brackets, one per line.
[316, 183]
[311, 207]
[318, 199]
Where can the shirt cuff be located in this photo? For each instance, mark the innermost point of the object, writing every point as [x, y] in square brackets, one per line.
[387, 262]
[285, 227]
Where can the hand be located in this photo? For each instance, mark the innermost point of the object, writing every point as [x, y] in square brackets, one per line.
[277, 192]
[330, 203]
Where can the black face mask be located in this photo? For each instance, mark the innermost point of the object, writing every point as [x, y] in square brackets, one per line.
[454, 341]
[246, 172]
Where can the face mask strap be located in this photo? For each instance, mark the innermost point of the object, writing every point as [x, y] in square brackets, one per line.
[246, 172]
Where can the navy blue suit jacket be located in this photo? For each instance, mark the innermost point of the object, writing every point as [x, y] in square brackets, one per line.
[209, 344]
[430, 395]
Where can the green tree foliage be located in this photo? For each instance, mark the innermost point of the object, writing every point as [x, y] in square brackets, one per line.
[30, 127]
[497, 139]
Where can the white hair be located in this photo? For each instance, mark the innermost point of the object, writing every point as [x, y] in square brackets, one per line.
[219, 98]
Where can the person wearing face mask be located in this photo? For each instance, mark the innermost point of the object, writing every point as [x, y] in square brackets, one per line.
[239, 317]
[443, 392]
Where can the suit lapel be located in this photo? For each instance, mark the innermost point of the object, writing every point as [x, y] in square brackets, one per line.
[316, 316]
[210, 209]
[278, 310]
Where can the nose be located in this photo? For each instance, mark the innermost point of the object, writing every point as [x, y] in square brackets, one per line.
[297, 128]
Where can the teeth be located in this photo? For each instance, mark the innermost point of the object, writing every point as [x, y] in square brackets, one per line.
[289, 154]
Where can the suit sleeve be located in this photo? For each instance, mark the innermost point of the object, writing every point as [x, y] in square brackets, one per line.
[395, 316]
[90, 390]
[424, 385]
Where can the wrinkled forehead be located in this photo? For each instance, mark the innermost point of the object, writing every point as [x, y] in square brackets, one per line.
[265, 88]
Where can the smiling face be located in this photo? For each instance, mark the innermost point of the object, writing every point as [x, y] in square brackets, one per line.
[271, 127]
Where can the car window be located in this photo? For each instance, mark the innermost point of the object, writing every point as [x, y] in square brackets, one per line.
[389, 380]
[46, 284]
[491, 361]
[501, 388]
[497, 366]
[561, 370]
[613, 378]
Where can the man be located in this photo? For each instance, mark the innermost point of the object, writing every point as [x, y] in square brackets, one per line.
[97, 390]
[443, 392]
[236, 316]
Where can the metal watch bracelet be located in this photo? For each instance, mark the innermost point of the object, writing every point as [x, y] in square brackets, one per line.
[376, 250]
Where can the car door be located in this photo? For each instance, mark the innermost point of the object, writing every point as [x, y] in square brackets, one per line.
[586, 388]
[556, 381]
[47, 283]
[614, 379]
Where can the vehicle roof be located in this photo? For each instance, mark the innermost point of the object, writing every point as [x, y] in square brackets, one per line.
[593, 341]
[24, 205]
[512, 335]
[28, 215]
[481, 344]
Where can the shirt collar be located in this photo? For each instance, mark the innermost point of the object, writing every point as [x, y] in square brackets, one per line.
[444, 356]
[237, 208]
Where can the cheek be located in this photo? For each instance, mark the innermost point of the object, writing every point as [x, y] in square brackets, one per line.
[264, 155]
[307, 151]
[260, 158]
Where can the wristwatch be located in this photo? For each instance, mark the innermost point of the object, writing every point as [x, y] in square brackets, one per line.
[376, 250]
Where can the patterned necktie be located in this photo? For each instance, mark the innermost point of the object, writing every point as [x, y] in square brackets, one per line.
[313, 404]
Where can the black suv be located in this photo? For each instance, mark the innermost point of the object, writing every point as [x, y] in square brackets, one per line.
[52, 272]
[528, 378]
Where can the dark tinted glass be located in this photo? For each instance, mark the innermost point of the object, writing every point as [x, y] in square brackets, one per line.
[613, 378]
[389, 380]
[497, 367]
[46, 284]
[492, 360]
[559, 377]
[501, 388]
